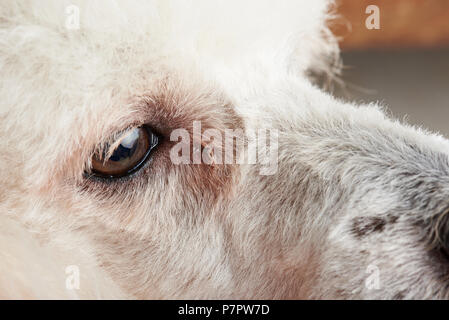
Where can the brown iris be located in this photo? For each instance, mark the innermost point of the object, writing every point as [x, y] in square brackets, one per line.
[125, 155]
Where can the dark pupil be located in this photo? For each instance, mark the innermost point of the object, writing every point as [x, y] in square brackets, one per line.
[123, 152]
[127, 148]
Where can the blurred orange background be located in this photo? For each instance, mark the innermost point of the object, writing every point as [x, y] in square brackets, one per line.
[403, 23]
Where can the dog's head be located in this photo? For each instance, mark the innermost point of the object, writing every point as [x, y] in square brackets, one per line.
[184, 147]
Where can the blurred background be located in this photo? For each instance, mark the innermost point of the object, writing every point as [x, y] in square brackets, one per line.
[404, 64]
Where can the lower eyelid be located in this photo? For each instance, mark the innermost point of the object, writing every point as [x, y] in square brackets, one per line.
[106, 188]
[142, 170]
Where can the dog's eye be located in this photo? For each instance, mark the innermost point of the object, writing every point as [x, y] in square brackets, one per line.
[126, 154]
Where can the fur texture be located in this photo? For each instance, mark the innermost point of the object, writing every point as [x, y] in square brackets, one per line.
[353, 188]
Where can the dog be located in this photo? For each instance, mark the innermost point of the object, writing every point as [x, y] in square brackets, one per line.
[98, 100]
